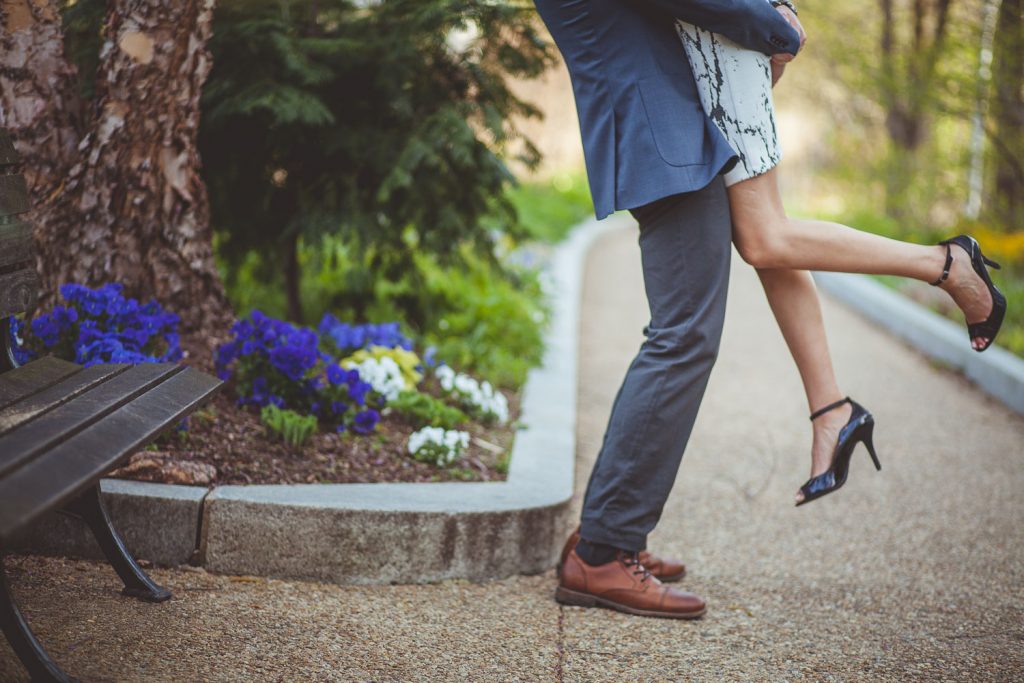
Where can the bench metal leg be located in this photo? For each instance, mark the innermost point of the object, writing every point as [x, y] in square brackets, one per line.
[137, 584]
[31, 653]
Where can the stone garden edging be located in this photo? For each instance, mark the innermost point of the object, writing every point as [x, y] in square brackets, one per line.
[388, 532]
[997, 372]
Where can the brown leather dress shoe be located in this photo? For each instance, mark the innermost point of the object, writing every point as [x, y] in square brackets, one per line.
[665, 569]
[624, 585]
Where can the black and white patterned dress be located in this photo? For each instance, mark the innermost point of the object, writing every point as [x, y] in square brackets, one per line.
[735, 86]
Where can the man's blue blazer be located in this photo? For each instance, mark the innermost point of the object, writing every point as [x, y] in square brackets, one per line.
[645, 134]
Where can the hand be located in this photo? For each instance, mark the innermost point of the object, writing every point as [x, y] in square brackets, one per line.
[777, 70]
[790, 17]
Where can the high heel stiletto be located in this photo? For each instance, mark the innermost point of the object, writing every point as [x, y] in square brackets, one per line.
[860, 427]
[989, 327]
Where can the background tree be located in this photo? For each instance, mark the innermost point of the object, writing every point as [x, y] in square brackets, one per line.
[901, 91]
[909, 68]
[385, 123]
[39, 99]
[128, 203]
[1007, 188]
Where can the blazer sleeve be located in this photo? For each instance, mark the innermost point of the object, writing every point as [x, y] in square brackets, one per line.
[754, 24]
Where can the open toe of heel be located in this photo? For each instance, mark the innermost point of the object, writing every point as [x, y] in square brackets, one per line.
[986, 329]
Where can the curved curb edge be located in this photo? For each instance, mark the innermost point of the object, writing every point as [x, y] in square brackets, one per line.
[388, 532]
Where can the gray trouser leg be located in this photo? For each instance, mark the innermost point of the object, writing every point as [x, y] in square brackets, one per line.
[685, 249]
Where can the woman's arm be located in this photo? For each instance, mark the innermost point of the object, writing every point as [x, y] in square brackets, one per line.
[754, 24]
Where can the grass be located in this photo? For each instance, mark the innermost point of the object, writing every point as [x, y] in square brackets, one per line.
[548, 209]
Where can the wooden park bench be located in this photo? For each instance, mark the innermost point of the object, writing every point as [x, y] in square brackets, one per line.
[62, 426]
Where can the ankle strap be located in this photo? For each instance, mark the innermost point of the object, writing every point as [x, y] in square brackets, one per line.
[821, 411]
[945, 268]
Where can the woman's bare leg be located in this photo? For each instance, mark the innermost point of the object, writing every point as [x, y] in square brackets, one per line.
[767, 238]
[794, 301]
[784, 249]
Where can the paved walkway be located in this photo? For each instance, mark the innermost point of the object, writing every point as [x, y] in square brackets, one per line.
[914, 573]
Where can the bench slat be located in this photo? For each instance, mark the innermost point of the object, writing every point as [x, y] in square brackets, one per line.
[56, 395]
[18, 291]
[13, 195]
[8, 156]
[16, 245]
[46, 431]
[20, 383]
[55, 477]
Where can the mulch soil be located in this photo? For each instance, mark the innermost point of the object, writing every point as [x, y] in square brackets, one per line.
[235, 443]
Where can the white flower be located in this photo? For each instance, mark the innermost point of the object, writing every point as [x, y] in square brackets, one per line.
[479, 397]
[437, 445]
[383, 374]
[446, 376]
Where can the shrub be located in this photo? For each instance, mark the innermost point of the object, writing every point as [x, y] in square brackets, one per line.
[288, 150]
[101, 326]
[478, 316]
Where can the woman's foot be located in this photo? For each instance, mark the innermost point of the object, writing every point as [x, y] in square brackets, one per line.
[826, 436]
[968, 290]
[859, 428]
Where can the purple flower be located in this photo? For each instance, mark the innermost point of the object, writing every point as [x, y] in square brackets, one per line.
[337, 375]
[357, 392]
[348, 338]
[365, 421]
[292, 361]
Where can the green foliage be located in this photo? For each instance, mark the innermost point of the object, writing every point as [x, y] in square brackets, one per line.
[291, 427]
[504, 461]
[370, 120]
[424, 409]
[481, 318]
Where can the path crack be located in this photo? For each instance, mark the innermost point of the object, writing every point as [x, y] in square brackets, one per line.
[560, 645]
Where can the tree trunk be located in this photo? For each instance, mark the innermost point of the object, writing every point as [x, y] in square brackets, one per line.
[976, 169]
[292, 278]
[133, 208]
[1008, 115]
[39, 101]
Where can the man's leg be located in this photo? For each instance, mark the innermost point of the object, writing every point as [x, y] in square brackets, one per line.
[685, 249]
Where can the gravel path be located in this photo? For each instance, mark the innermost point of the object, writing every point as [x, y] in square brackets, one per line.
[914, 573]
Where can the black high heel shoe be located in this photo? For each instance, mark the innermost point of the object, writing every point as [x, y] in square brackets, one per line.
[860, 427]
[989, 327]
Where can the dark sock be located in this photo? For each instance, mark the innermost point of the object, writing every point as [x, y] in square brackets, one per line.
[595, 553]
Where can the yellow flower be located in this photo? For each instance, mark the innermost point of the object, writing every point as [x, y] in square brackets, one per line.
[405, 359]
[1001, 246]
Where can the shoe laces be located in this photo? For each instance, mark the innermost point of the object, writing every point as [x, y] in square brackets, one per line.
[633, 560]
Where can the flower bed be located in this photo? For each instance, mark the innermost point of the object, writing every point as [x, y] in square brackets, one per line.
[341, 403]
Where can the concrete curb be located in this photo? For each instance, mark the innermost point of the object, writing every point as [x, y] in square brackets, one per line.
[159, 523]
[407, 533]
[997, 372]
[383, 533]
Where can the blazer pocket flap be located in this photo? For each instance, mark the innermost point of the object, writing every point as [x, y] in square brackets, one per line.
[676, 118]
